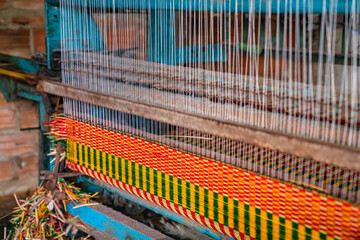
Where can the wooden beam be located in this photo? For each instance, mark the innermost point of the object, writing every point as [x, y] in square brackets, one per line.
[333, 154]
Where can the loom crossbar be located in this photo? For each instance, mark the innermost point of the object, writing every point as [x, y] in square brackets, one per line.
[319, 151]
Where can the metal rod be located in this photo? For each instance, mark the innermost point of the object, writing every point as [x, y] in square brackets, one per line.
[333, 154]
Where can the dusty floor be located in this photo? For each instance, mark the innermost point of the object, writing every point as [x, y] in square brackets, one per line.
[7, 204]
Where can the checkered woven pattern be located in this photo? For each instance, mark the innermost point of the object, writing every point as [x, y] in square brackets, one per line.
[225, 198]
[290, 168]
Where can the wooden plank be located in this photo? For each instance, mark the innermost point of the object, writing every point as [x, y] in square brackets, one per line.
[107, 223]
[336, 155]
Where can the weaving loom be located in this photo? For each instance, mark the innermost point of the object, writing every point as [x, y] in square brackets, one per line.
[242, 115]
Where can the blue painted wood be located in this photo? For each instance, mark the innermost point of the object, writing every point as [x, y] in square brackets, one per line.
[27, 92]
[162, 37]
[8, 89]
[161, 24]
[84, 36]
[314, 6]
[24, 64]
[97, 186]
[161, 33]
[11, 90]
[106, 223]
[52, 30]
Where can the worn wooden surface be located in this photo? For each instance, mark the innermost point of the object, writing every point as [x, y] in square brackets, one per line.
[319, 151]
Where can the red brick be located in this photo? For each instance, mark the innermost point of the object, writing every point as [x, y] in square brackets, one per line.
[7, 170]
[126, 38]
[3, 4]
[20, 20]
[9, 105]
[129, 37]
[142, 44]
[8, 118]
[29, 117]
[16, 42]
[19, 144]
[19, 136]
[26, 167]
[29, 5]
[2, 99]
[39, 40]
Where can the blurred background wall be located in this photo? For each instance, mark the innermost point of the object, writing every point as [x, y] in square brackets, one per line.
[22, 27]
[22, 34]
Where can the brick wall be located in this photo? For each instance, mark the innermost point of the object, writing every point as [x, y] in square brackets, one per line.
[22, 34]
[22, 27]
[19, 146]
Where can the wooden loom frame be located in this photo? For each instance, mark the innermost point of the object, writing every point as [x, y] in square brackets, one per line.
[340, 156]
